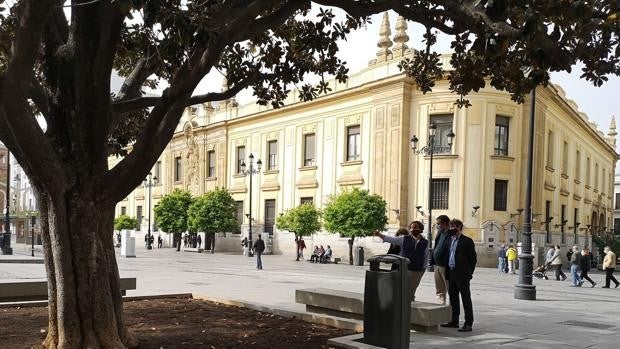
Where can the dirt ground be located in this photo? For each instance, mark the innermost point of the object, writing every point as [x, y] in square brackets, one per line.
[182, 323]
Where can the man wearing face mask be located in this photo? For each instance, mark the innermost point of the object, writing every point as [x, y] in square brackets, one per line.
[413, 246]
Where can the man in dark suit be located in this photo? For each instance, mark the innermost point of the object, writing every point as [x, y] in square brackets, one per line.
[461, 264]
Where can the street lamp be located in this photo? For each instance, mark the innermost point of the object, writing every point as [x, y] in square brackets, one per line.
[33, 221]
[429, 150]
[249, 171]
[524, 289]
[149, 182]
[6, 237]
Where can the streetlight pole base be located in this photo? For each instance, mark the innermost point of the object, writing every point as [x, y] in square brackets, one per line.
[525, 289]
[6, 248]
[525, 292]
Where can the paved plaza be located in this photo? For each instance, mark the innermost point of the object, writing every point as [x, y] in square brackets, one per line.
[561, 317]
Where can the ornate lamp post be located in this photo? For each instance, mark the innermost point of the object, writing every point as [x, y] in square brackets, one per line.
[149, 182]
[429, 150]
[524, 289]
[248, 171]
[6, 238]
[33, 221]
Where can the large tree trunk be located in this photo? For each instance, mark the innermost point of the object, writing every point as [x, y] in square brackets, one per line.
[85, 303]
[350, 241]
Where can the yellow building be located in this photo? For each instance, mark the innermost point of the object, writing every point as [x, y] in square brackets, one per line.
[358, 135]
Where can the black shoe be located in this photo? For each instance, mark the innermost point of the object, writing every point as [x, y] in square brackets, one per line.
[465, 328]
[450, 325]
[605, 287]
[618, 284]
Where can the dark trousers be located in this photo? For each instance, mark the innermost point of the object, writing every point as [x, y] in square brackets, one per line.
[558, 272]
[460, 286]
[584, 275]
[609, 276]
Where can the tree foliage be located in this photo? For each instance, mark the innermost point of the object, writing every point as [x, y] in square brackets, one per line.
[213, 212]
[355, 213]
[606, 240]
[171, 212]
[123, 222]
[303, 220]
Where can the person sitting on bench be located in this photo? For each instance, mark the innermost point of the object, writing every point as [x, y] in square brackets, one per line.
[315, 254]
[327, 255]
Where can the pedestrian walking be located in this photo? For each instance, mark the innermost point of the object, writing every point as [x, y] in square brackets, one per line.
[511, 256]
[575, 267]
[585, 266]
[302, 247]
[501, 259]
[412, 246]
[259, 248]
[609, 265]
[549, 255]
[160, 241]
[556, 263]
[440, 257]
[199, 241]
[569, 254]
[462, 261]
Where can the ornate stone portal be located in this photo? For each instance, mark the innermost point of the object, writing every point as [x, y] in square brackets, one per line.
[192, 159]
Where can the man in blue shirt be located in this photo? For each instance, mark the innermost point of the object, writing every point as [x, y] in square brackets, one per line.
[414, 247]
[461, 264]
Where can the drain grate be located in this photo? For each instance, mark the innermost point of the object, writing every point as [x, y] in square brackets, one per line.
[586, 324]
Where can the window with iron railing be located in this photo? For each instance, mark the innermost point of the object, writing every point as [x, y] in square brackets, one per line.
[441, 190]
[500, 199]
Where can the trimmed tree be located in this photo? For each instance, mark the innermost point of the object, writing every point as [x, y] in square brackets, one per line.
[125, 222]
[354, 213]
[213, 212]
[171, 214]
[302, 220]
[57, 64]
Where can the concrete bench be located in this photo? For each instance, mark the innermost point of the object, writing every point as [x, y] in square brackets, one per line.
[331, 260]
[425, 317]
[193, 249]
[36, 290]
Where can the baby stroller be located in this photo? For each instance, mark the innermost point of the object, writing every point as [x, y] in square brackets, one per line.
[541, 272]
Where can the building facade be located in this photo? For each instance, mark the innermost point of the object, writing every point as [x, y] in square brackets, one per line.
[616, 226]
[4, 158]
[22, 201]
[358, 135]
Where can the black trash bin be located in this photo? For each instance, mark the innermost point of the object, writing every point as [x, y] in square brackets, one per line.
[387, 303]
[359, 257]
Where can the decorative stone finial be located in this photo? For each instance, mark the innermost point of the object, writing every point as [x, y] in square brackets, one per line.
[384, 43]
[612, 131]
[401, 37]
[612, 126]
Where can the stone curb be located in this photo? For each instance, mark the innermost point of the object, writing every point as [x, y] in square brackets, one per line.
[312, 318]
[31, 260]
[125, 299]
[351, 342]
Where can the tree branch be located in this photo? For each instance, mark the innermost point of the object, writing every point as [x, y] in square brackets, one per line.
[129, 105]
[16, 119]
[39, 97]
